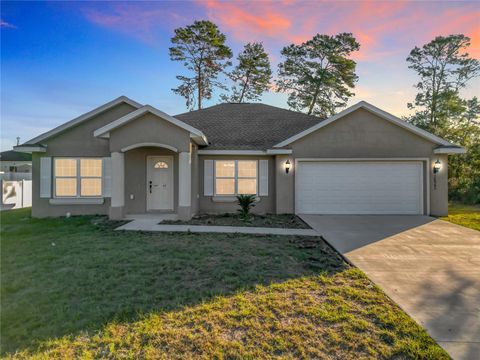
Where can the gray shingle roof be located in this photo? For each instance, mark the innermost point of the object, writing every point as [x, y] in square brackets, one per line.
[247, 126]
[11, 155]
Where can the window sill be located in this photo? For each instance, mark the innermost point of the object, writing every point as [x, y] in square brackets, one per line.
[77, 201]
[229, 199]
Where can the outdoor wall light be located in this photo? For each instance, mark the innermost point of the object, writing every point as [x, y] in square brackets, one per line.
[287, 166]
[436, 168]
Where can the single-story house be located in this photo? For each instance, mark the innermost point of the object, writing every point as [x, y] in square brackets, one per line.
[126, 158]
[15, 162]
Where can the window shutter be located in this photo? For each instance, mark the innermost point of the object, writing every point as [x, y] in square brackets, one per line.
[45, 177]
[107, 177]
[263, 178]
[208, 178]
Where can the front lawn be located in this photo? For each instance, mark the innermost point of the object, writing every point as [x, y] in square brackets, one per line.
[465, 215]
[268, 220]
[74, 288]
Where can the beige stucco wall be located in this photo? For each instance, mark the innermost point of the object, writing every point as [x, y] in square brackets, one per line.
[285, 185]
[78, 141]
[439, 196]
[149, 129]
[362, 134]
[195, 180]
[266, 203]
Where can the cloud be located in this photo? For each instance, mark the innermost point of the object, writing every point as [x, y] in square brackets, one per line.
[4, 24]
[135, 19]
[248, 19]
[465, 22]
[383, 28]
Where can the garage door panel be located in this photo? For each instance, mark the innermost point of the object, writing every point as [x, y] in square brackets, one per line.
[359, 187]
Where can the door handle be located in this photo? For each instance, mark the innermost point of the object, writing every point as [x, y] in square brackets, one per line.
[150, 186]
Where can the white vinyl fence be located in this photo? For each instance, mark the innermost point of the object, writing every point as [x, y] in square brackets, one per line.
[16, 194]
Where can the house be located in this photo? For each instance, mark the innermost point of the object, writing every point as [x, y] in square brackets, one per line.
[15, 162]
[127, 158]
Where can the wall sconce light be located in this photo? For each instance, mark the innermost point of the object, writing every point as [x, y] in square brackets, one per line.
[437, 166]
[287, 166]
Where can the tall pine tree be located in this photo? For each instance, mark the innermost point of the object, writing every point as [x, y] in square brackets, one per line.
[251, 76]
[318, 75]
[201, 47]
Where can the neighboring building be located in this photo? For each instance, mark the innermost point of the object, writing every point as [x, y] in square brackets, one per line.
[126, 158]
[15, 178]
[15, 162]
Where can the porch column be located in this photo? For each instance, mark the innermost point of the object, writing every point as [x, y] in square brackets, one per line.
[118, 186]
[184, 185]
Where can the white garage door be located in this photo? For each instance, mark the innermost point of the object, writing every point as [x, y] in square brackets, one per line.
[359, 187]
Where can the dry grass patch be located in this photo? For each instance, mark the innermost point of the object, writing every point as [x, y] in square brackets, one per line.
[338, 316]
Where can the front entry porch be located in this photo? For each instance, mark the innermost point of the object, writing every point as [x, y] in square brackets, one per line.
[152, 181]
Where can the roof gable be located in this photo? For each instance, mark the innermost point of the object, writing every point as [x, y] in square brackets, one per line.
[82, 118]
[104, 131]
[373, 109]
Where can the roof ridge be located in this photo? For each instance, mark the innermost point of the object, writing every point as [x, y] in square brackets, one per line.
[313, 117]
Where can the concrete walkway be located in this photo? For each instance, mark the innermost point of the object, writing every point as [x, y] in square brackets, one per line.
[149, 224]
[431, 268]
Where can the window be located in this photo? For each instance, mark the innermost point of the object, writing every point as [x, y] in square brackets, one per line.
[234, 177]
[78, 177]
[161, 165]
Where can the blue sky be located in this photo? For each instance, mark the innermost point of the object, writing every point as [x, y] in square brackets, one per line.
[61, 59]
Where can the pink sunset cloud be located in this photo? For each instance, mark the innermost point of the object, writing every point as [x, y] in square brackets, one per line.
[382, 28]
[249, 18]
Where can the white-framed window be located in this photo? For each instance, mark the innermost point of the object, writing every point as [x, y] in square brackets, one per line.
[236, 177]
[77, 177]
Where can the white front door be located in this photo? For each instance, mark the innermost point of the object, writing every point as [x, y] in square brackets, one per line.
[159, 183]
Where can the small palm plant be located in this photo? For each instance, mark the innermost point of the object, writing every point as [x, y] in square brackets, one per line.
[246, 203]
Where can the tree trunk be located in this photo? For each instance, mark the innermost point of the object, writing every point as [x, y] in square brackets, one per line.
[314, 100]
[199, 87]
[244, 87]
[434, 99]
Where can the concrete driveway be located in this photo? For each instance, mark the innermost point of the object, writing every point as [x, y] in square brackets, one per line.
[430, 267]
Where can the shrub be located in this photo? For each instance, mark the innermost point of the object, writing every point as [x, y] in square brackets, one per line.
[246, 202]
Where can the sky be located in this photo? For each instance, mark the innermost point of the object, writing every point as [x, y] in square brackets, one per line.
[62, 59]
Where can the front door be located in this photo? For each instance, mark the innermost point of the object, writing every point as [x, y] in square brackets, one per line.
[159, 183]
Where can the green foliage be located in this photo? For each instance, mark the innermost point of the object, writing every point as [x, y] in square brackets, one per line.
[468, 216]
[201, 47]
[444, 68]
[251, 76]
[105, 294]
[318, 75]
[246, 202]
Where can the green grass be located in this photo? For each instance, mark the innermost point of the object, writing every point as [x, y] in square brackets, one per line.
[465, 215]
[227, 219]
[74, 288]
